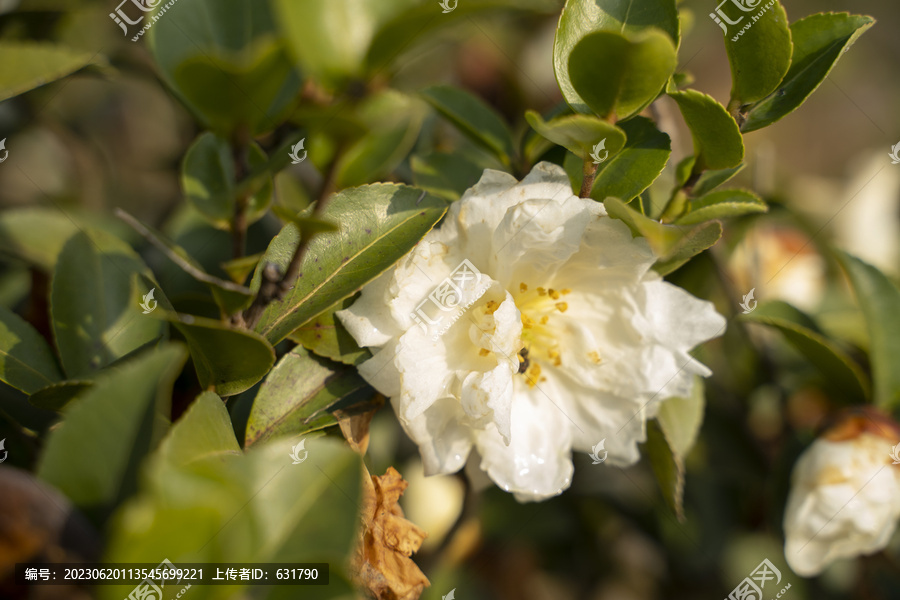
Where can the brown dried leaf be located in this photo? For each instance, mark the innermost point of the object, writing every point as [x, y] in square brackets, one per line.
[354, 423]
[381, 563]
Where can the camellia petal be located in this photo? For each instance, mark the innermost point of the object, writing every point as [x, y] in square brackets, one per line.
[528, 325]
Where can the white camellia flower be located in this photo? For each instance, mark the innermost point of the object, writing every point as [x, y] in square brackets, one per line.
[844, 499]
[528, 325]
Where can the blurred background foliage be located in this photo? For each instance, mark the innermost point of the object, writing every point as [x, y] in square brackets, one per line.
[139, 126]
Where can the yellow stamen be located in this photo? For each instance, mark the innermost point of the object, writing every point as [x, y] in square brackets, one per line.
[541, 291]
[544, 319]
[523, 287]
[595, 357]
[565, 291]
[553, 294]
[484, 352]
[562, 306]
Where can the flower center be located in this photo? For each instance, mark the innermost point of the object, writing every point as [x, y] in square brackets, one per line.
[539, 307]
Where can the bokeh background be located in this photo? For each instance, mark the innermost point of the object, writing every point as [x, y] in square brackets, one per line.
[112, 135]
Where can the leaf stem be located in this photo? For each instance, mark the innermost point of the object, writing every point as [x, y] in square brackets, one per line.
[589, 169]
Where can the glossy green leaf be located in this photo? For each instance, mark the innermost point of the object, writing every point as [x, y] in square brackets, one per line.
[478, 121]
[668, 468]
[447, 175]
[640, 162]
[325, 335]
[93, 456]
[29, 65]
[227, 360]
[759, 50]
[93, 317]
[582, 17]
[673, 244]
[26, 360]
[878, 298]
[209, 181]
[717, 140]
[617, 76]
[392, 121]
[710, 180]
[226, 61]
[721, 205]
[297, 392]
[379, 223]
[819, 40]
[57, 396]
[844, 377]
[579, 134]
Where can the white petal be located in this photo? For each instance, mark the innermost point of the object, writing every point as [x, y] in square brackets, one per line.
[536, 464]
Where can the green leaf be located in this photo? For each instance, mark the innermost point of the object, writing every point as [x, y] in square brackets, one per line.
[582, 17]
[230, 296]
[295, 395]
[617, 76]
[878, 298]
[209, 181]
[640, 162]
[667, 467]
[392, 121]
[379, 223]
[29, 65]
[93, 456]
[94, 321]
[255, 507]
[57, 396]
[330, 40]
[710, 180]
[203, 432]
[759, 52]
[26, 360]
[326, 336]
[680, 419]
[819, 40]
[721, 205]
[845, 378]
[228, 360]
[717, 140]
[579, 133]
[478, 121]
[674, 245]
[226, 61]
[447, 175]
[415, 22]
[37, 235]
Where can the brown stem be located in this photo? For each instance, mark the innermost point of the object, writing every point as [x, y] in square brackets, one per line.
[274, 288]
[589, 169]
